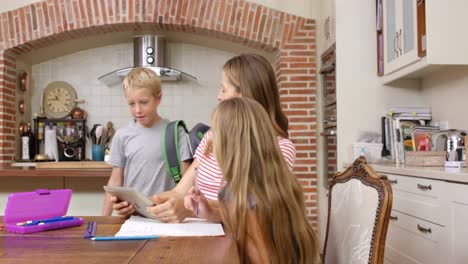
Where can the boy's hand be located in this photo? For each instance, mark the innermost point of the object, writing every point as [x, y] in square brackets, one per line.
[196, 202]
[122, 208]
[169, 207]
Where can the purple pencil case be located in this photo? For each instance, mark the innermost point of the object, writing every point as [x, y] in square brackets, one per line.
[38, 205]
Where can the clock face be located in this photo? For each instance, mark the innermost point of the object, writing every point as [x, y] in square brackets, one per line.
[59, 99]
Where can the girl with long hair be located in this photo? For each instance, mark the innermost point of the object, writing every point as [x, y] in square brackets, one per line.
[261, 202]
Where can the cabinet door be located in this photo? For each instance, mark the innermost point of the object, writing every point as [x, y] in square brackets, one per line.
[411, 240]
[459, 225]
[400, 34]
[390, 33]
[421, 198]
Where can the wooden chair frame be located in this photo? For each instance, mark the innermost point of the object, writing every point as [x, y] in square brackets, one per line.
[361, 171]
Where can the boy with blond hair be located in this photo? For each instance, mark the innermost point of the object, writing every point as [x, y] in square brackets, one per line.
[137, 150]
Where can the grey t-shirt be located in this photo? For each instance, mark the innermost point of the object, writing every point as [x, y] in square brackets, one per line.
[139, 151]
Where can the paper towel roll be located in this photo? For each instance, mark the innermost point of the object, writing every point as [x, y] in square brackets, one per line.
[50, 144]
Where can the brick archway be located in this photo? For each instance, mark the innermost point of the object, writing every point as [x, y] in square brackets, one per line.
[292, 38]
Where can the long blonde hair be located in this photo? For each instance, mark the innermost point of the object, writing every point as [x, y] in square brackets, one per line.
[252, 165]
[253, 76]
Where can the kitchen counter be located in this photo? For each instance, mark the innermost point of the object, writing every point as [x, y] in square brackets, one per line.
[9, 171]
[86, 183]
[439, 173]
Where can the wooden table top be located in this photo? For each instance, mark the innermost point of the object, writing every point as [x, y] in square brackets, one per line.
[68, 246]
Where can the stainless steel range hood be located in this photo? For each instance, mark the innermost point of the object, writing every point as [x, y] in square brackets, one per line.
[149, 51]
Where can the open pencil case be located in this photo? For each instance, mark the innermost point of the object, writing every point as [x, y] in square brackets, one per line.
[38, 207]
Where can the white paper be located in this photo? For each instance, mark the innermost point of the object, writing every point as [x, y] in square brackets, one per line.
[50, 144]
[140, 226]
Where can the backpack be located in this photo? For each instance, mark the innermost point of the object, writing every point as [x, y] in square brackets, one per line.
[171, 151]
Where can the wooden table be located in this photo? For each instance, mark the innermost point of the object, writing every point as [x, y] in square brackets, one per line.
[69, 246]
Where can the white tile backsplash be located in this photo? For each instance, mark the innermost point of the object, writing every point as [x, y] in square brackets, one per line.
[189, 100]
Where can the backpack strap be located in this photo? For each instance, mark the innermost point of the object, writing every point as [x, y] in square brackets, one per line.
[171, 151]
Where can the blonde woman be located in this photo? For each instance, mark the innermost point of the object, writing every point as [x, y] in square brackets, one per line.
[261, 202]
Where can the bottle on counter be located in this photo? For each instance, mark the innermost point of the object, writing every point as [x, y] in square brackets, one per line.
[32, 139]
[69, 129]
[27, 144]
[24, 147]
[40, 131]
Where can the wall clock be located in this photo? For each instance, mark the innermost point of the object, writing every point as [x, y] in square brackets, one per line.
[59, 99]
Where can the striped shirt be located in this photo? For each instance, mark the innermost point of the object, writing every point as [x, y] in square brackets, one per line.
[209, 174]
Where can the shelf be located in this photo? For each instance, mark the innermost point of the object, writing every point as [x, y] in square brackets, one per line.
[70, 135]
[55, 120]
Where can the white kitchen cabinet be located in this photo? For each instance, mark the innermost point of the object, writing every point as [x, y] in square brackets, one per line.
[428, 221]
[400, 38]
[419, 197]
[327, 33]
[417, 232]
[411, 240]
[421, 37]
[458, 205]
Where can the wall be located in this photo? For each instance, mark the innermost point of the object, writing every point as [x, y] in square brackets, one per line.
[13, 4]
[446, 92]
[23, 118]
[82, 69]
[304, 8]
[361, 99]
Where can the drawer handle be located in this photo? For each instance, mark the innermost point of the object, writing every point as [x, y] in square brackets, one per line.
[394, 218]
[393, 181]
[424, 230]
[424, 187]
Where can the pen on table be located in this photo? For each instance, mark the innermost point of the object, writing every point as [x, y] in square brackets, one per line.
[51, 220]
[196, 189]
[44, 221]
[123, 238]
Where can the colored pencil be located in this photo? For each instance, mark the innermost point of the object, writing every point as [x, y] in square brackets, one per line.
[123, 238]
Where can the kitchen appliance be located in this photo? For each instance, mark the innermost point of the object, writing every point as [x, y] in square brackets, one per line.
[70, 150]
[453, 142]
[149, 51]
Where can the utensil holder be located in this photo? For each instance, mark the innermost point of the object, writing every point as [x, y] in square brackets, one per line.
[97, 152]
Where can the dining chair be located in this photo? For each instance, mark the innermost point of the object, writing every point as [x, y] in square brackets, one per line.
[359, 205]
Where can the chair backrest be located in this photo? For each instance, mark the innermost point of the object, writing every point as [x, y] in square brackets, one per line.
[359, 205]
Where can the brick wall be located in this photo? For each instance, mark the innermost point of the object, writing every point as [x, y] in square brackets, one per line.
[292, 38]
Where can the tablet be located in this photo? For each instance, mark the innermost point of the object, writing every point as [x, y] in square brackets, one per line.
[135, 198]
